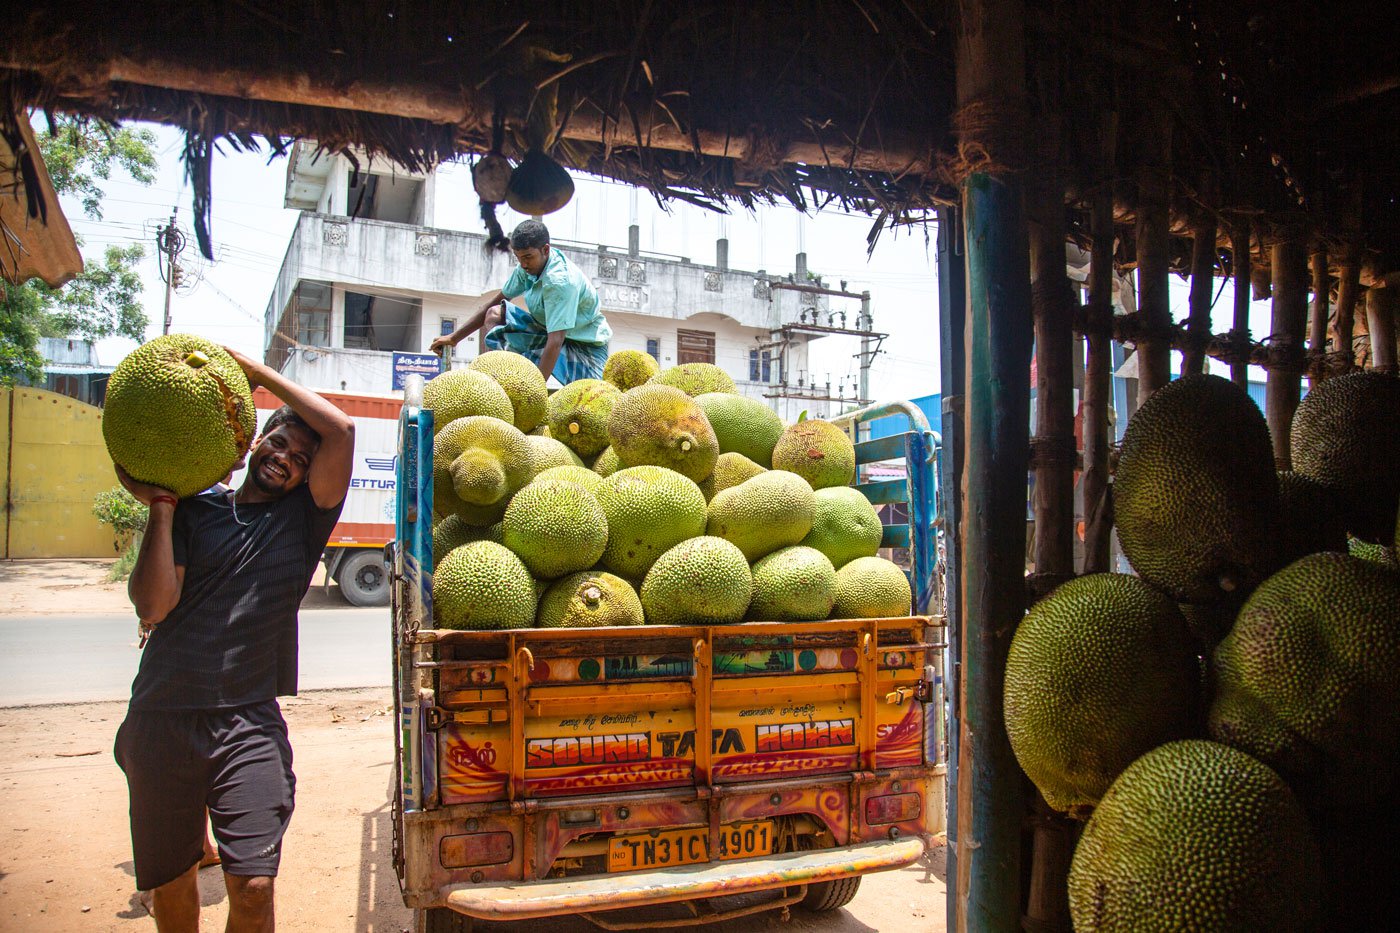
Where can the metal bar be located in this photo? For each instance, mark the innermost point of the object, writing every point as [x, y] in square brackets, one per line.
[815, 290]
[886, 491]
[917, 420]
[703, 680]
[895, 536]
[778, 903]
[880, 448]
[869, 669]
[920, 490]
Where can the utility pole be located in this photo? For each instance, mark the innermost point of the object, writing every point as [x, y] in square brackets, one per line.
[170, 241]
[867, 356]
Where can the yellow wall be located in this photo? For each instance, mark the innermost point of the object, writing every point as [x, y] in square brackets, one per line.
[52, 463]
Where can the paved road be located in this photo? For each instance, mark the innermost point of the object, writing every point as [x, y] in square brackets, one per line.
[86, 658]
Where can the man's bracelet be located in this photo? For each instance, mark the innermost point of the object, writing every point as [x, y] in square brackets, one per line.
[171, 499]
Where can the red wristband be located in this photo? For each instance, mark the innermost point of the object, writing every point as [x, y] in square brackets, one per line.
[171, 499]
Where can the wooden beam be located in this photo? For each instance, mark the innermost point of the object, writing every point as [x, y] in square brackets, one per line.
[1242, 260]
[1348, 291]
[1381, 307]
[1098, 388]
[1289, 259]
[1198, 327]
[1317, 315]
[1154, 261]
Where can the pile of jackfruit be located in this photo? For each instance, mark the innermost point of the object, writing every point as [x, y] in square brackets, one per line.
[1227, 718]
[647, 496]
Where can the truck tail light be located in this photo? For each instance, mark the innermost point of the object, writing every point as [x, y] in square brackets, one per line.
[891, 808]
[476, 849]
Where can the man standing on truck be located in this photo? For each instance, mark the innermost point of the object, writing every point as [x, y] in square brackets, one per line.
[219, 577]
[560, 329]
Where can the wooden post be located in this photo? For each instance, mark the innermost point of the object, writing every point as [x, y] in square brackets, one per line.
[1202, 288]
[1243, 262]
[1289, 259]
[1380, 318]
[1098, 388]
[1317, 320]
[990, 67]
[1154, 259]
[1348, 290]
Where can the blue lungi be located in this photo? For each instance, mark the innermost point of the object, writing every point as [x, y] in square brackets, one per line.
[521, 333]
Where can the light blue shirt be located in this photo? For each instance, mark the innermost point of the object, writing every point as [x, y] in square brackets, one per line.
[561, 298]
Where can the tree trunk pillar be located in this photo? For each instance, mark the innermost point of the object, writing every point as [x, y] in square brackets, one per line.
[1289, 259]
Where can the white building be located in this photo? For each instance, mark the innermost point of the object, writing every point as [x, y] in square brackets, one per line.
[368, 281]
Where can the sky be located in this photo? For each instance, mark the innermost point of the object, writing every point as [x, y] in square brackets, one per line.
[226, 299]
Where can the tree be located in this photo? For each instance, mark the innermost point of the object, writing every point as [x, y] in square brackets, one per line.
[104, 299]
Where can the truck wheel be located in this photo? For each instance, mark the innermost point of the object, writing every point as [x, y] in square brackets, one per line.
[364, 579]
[831, 895]
[441, 920]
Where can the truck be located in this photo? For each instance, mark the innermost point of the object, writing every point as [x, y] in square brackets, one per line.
[544, 772]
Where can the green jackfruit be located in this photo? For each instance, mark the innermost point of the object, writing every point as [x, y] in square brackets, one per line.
[479, 462]
[578, 415]
[730, 470]
[1195, 836]
[1346, 435]
[179, 414]
[657, 425]
[573, 474]
[1100, 671]
[1308, 680]
[871, 588]
[548, 452]
[522, 381]
[555, 527]
[460, 393]
[794, 584]
[701, 581]
[628, 369]
[817, 451]
[844, 525]
[695, 378]
[605, 464]
[742, 425]
[770, 511]
[649, 510]
[452, 532]
[591, 599]
[1310, 518]
[482, 585]
[1376, 553]
[1195, 496]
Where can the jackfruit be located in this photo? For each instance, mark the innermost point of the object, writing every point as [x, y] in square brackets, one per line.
[817, 451]
[1376, 553]
[871, 588]
[538, 185]
[179, 414]
[479, 461]
[1195, 836]
[452, 532]
[742, 425]
[555, 527]
[459, 393]
[482, 585]
[1308, 680]
[730, 470]
[573, 474]
[628, 369]
[794, 584]
[770, 511]
[1310, 518]
[578, 415]
[649, 510]
[844, 525]
[1346, 435]
[658, 425]
[522, 382]
[605, 464]
[540, 430]
[695, 379]
[1196, 497]
[547, 452]
[701, 581]
[1099, 672]
[591, 599]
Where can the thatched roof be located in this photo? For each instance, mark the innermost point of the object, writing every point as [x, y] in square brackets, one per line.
[1286, 111]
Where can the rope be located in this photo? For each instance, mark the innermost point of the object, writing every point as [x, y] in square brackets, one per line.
[991, 139]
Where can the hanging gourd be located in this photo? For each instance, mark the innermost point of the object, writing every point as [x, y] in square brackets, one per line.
[539, 185]
[491, 178]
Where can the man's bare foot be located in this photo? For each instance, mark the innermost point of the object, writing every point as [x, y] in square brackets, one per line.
[148, 901]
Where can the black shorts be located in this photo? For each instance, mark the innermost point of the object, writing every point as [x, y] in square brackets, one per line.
[237, 762]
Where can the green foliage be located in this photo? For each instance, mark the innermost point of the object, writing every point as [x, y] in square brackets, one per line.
[121, 510]
[80, 152]
[125, 563]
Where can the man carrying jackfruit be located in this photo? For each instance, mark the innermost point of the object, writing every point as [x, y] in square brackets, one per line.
[561, 329]
[218, 579]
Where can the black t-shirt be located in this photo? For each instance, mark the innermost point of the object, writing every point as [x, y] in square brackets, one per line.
[232, 638]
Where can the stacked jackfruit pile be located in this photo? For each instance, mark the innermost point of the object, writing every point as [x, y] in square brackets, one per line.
[1228, 718]
[647, 496]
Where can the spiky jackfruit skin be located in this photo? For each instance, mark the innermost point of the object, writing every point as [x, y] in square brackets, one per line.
[605, 464]
[179, 414]
[478, 464]
[482, 585]
[695, 379]
[460, 393]
[703, 581]
[1376, 553]
[555, 527]
[817, 451]
[1308, 680]
[730, 470]
[793, 584]
[770, 511]
[1346, 435]
[657, 425]
[578, 415]
[1195, 836]
[1310, 518]
[1195, 496]
[742, 425]
[844, 525]
[591, 599]
[522, 382]
[649, 510]
[1100, 671]
[572, 474]
[871, 588]
[453, 531]
[548, 452]
[628, 369]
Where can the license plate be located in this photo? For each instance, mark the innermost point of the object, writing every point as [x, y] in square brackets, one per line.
[688, 846]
